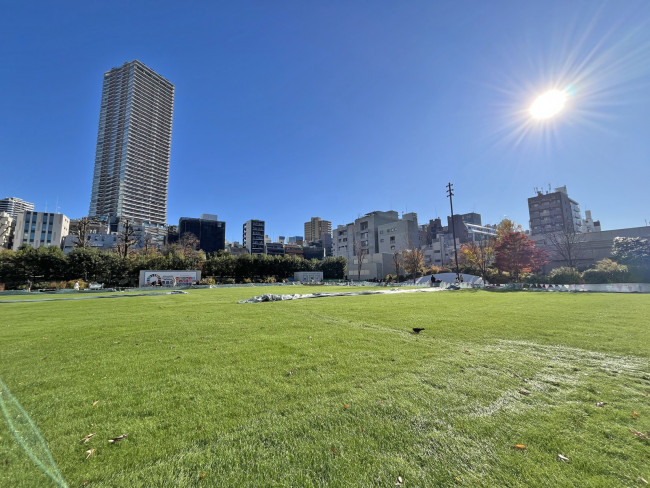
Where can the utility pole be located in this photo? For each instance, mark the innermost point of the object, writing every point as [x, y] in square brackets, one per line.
[450, 193]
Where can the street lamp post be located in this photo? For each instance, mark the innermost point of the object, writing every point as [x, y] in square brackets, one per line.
[450, 194]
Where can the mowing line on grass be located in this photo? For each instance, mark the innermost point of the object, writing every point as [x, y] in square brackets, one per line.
[91, 298]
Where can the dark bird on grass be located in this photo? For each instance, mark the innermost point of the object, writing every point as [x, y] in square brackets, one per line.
[417, 330]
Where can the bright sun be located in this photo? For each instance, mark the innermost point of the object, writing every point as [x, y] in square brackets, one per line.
[548, 104]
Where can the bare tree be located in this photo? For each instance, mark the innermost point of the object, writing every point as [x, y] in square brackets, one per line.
[148, 243]
[397, 260]
[413, 262]
[82, 229]
[126, 238]
[567, 244]
[360, 252]
[189, 243]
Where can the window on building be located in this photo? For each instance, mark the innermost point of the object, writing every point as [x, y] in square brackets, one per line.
[392, 239]
[364, 225]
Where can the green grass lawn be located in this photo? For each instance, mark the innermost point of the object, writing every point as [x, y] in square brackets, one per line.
[331, 391]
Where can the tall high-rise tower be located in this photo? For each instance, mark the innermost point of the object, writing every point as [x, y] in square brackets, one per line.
[133, 145]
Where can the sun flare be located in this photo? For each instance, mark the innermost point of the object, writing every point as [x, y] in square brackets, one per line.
[548, 104]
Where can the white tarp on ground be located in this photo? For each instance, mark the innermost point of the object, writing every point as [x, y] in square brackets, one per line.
[269, 297]
[451, 278]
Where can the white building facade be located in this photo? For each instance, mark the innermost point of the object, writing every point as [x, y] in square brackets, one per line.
[38, 229]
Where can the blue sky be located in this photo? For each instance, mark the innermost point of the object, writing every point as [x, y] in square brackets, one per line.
[286, 110]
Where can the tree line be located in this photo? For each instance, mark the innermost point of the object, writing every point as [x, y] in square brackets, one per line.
[49, 267]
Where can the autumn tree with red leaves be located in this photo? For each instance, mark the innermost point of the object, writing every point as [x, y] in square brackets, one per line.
[515, 253]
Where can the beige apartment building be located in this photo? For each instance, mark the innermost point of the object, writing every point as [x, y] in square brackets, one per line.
[38, 229]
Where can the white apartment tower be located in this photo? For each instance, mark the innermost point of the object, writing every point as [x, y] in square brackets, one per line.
[15, 206]
[131, 173]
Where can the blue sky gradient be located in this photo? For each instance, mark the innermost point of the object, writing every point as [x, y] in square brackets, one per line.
[290, 109]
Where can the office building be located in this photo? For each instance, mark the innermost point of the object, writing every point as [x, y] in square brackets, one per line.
[377, 236]
[15, 206]
[38, 229]
[553, 212]
[253, 236]
[316, 228]
[210, 232]
[131, 172]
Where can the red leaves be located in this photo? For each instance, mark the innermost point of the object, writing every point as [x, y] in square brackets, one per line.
[516, 253]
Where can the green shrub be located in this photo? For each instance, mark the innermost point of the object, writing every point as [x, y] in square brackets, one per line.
[595, 276]
[607, 271]
[564, 276]
[208, 281]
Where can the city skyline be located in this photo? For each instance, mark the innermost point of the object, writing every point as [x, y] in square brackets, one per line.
[286, 112]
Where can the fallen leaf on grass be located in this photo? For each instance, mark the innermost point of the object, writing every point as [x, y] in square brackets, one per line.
[524, 392]
[645, 393]
[560, 457]
[95, 402]
[86, 483]
[601, 404]
[643, 480]
[117, 439]
[467, 352]
[521, 447]
[88, 437]
[90, 452]
[202, 475]
[346, 406]
[635, 415]
[399, 481]
[639, 434]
